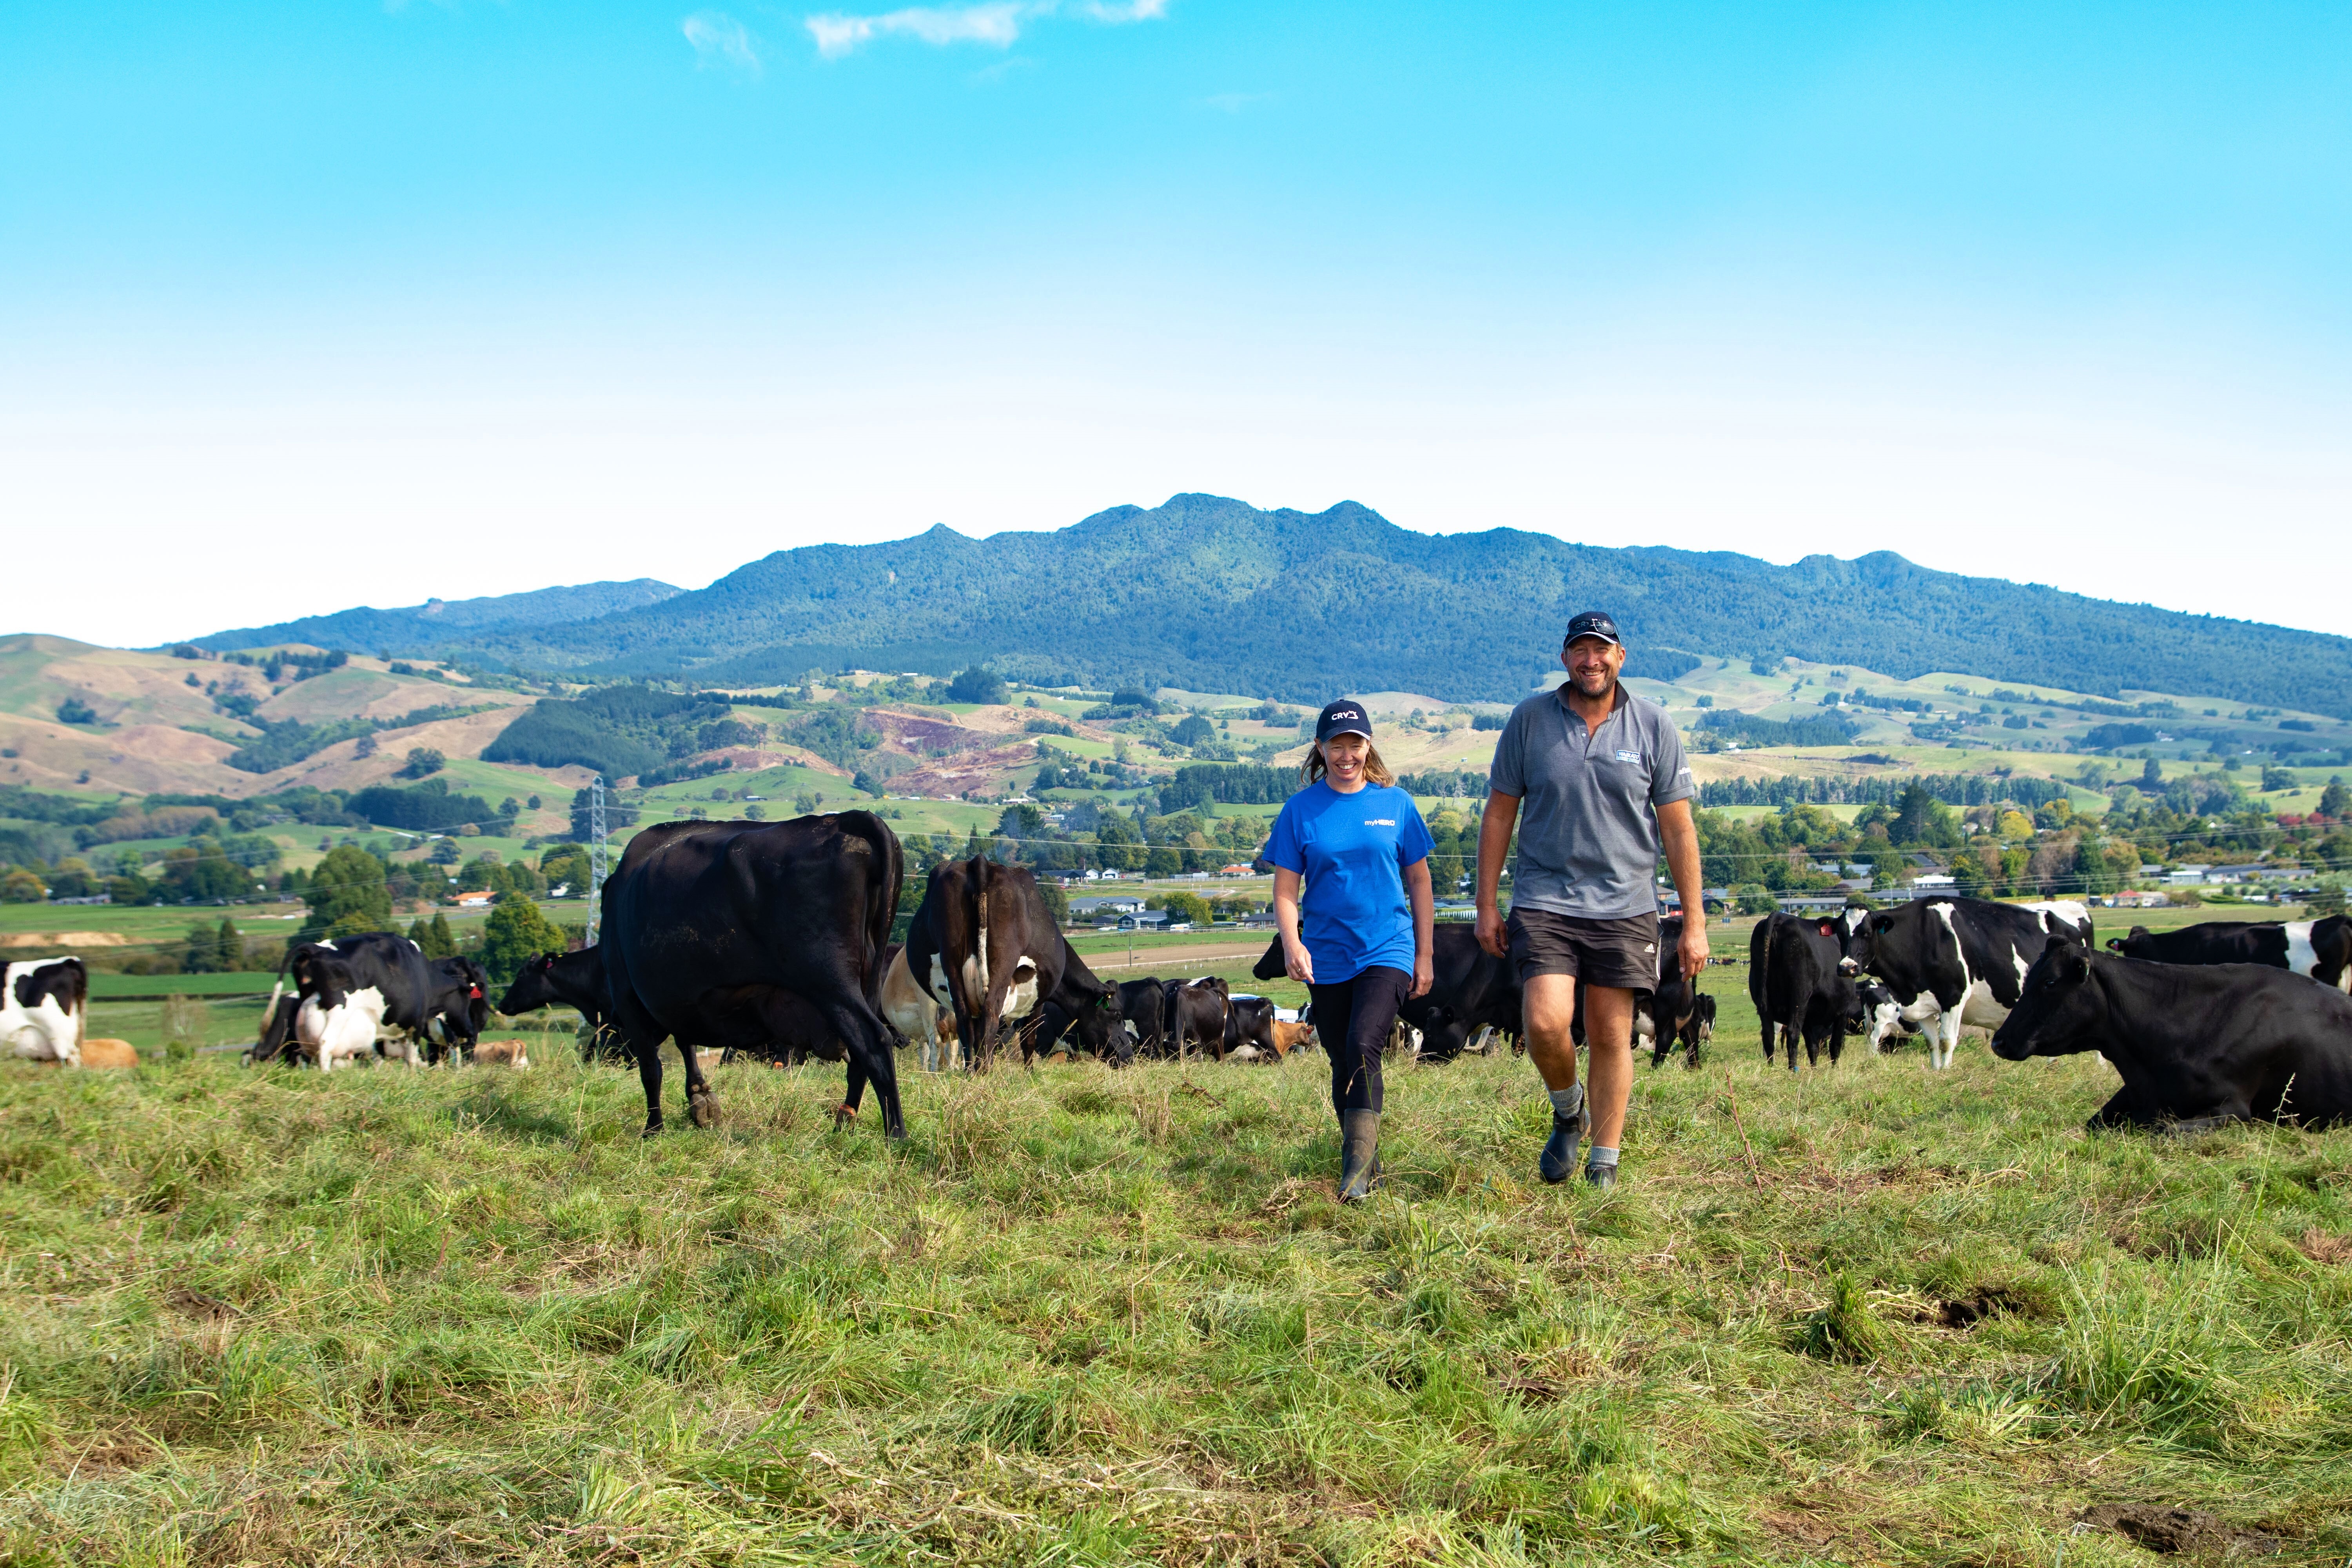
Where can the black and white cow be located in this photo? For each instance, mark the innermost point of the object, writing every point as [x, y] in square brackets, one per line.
[1956, 962]
[984, 943]
[378, 976]
[2321, 949]
[779, 928]
[2198, 1045]
[1249, 1027]
[1083, 1006]
[1882, 1024]
[461, 1009]
[45, 1010]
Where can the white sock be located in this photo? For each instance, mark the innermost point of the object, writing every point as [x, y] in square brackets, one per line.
[1568, 1101]
[1596, 1155]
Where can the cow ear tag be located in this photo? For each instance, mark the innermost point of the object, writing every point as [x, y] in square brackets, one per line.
[1829, 928]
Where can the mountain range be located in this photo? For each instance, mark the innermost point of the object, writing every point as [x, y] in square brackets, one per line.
[1209, 594]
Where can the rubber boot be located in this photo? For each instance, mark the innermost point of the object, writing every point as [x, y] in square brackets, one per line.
[1602, 1176]
[1557, 1161]
[1360, 1160]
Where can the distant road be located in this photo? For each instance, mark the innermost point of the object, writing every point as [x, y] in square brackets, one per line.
[1188, 955]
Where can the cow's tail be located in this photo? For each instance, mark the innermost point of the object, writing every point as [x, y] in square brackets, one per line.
[882, 903]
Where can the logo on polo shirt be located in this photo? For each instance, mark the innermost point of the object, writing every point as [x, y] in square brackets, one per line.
[1625, 756]
[1379, 822]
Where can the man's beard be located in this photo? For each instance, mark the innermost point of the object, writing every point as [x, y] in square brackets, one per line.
[1605, 679]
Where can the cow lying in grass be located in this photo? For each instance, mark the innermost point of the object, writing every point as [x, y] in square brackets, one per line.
[43, 1008]
[2198, 1046]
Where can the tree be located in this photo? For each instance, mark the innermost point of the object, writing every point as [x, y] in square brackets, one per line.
[444, 852]
[74, 711]
[1912, 815]
[2276, 779]
[203, 954]
[1188, 908]
[2151, 776]
[439, 941]
[1753, 899]
[977, 685]
[1057, 902]
[516, 933]
[1193, 730]
[228, 947]
[616, 815]
[424, 762]
[346, 895]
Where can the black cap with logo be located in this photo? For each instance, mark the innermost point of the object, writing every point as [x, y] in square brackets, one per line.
[1593, 624]
[1345, 717]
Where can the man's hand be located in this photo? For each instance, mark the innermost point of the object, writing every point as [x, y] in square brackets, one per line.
[1300, 962]
[1423, 975]
[1693, 949]
[1492, 936]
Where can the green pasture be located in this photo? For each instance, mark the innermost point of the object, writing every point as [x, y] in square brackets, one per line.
[1080, 1316]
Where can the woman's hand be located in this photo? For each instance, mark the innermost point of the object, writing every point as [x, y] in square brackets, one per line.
[1422, 973]
[1300, 963]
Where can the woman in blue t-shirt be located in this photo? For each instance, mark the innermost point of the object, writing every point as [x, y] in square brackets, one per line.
[1359, 845]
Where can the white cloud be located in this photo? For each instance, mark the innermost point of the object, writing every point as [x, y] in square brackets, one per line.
[718, 40]
[995, 22]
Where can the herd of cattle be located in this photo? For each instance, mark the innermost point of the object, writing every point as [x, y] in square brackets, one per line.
[772, 939]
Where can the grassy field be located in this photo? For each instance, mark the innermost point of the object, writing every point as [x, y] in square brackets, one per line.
[1087, 1317]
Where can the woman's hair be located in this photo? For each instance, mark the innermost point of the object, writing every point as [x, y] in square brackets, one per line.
[1374, 769]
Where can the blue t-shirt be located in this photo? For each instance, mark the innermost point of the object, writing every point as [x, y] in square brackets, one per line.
[1352, 850]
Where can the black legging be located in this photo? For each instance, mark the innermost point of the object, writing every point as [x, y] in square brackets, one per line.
[1352, 1019]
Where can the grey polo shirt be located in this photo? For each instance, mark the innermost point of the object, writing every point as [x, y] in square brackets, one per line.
[1588, 821]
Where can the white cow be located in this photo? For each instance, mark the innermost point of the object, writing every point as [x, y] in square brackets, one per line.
[344, 1032]
[915, 1013]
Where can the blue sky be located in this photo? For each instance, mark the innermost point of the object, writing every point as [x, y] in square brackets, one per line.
[519, 293]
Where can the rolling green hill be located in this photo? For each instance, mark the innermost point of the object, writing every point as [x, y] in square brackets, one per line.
[1209, 594]
[428, 626]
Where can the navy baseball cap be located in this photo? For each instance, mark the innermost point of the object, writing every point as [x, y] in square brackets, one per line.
[1345, 717]
[1593, 624]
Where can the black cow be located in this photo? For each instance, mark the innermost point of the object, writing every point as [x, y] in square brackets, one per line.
[1194, 1011]
[574, 980]
[2320, 949]
[2198, 1045]
[1470, 991]
[773, 927]
[984, 944]
[1249, 1021]
[1682, 1017]
[1084, 1004]
[461, 1007]
[1956, 961]
[1143, 1006]
[378, 971]
[1794, 979]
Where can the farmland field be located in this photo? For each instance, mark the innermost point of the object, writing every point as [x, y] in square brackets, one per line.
[1084, 1316]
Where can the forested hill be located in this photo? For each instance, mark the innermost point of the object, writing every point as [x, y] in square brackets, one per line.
[1212, 595]
[436, 623]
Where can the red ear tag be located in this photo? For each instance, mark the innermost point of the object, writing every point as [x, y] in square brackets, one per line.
[1829, 928]
[475, 991]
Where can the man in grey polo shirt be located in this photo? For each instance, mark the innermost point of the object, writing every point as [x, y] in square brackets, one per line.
[1603, 780]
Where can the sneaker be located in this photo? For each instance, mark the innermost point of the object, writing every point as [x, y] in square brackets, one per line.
[1559, 1160]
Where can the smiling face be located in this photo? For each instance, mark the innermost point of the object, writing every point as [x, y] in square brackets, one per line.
[1343, 759]
[1592, 665]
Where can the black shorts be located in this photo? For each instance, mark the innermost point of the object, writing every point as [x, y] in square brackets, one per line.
[1622, 955]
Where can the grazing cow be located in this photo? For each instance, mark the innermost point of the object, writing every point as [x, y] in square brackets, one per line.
[338, 1012]
[1084, 1004]
[1143, 1006]
[778, 927]
[44, 1011]
[461, 1008]
[2320, 949]
[1470, 991]
[500, 1054]
[1249, 1026]
[915, 1014]
[986, 947]
[1793, 978]
[2198, 1045]
[1681, 1018]
[1194, 1011]
[381, 972]
[574, 980]
[1958, 962]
